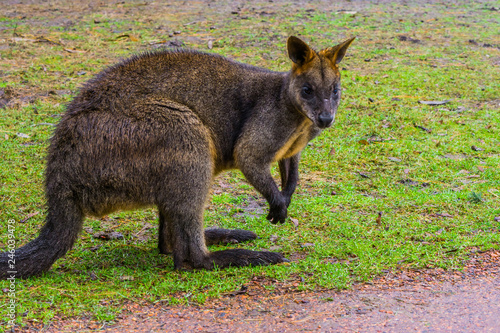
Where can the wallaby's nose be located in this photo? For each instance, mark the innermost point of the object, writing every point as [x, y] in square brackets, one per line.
[325, 119]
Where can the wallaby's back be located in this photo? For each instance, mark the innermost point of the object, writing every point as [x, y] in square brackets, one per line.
[221, 92]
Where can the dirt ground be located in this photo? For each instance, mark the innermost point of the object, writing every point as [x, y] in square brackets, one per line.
[410, 301]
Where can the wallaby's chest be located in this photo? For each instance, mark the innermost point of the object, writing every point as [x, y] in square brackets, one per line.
[296, 142]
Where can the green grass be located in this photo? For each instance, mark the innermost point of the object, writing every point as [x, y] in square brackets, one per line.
[431, 225]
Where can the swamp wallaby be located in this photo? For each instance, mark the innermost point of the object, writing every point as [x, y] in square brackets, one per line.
[154, 130]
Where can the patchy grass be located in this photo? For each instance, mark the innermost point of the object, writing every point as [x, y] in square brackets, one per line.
[432, 171]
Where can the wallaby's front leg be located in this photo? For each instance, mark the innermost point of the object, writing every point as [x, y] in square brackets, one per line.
[258, 173]
[289, 172]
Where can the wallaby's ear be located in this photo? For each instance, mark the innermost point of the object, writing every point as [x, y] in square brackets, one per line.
[298, 51]
[337, 53]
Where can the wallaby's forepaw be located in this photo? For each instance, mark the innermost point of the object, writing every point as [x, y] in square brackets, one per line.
[277, 214]
[227, 236]
[242, 257]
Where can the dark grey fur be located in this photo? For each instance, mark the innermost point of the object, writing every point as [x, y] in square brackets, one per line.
[156, 129]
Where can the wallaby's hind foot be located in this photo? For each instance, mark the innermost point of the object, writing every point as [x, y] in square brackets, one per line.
[228, 236]
[242, 257]
[234, 258]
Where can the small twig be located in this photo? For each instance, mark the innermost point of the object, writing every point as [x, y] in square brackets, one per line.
[422, 128]
[28, 217]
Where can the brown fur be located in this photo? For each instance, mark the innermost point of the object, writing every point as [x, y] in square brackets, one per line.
[156, 129]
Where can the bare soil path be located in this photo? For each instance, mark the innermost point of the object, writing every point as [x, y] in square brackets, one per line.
[411, 301]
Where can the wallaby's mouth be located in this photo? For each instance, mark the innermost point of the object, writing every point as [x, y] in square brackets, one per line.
[325, 126]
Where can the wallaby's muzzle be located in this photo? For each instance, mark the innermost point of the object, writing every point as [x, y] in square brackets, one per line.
[325, 119]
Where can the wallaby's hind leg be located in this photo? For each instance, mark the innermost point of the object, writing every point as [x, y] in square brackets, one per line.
[189, 249]
[181, 223]
[164, 236]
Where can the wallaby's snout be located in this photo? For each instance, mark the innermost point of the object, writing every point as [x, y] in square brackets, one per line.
[325, 120]
[327, 116]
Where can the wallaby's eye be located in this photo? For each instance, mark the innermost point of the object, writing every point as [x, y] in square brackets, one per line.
[335, 90]
[307, 92]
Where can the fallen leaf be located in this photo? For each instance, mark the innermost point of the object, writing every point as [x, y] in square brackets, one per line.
[210, 44]
[363, 142]
[332, 151]
[363, 175]
[131, 37]
[170, 43]
[411, 182]
[422, 128]
[108, 235]
[243, 290]
[348, 12]
[455, 156]
[295, 222]
[127, 278]
[435, 102]
[22, 135]
[22, 39]
[28, 217]
[444, 214]
[497, 219]
[408, 39]
[394, 159]
[307, 245]
[95, 248]
[476, 148]
[74, 51]
[42, 39]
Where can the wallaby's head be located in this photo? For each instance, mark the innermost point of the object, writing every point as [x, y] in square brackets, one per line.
[315, 80]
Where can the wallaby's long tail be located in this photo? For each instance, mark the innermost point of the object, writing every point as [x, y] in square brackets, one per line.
[64, 221]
